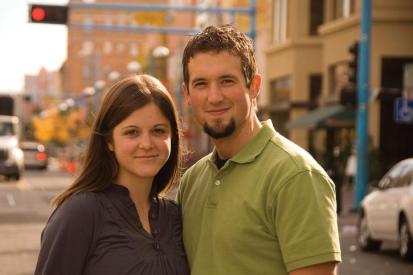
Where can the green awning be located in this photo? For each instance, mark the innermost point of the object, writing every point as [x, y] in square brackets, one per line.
[335, 116]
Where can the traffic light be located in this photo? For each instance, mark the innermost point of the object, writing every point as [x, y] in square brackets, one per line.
[348, 93]
[353, 64]
[48, 14]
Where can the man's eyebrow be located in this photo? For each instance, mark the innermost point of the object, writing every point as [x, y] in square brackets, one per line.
[198, 79]
[228, 76]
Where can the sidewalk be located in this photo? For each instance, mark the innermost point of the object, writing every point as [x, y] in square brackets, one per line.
[347, 220]
[19, 248]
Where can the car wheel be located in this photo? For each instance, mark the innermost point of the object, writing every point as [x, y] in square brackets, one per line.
[364, 239]
[405, 240]
[14, 176]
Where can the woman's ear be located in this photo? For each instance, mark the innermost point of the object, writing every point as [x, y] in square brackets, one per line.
[110, 146]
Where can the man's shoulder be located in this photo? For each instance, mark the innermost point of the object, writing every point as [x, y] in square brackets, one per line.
[289, 154]
[199, 165]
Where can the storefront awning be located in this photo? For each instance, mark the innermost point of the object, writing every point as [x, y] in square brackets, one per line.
[336, 116]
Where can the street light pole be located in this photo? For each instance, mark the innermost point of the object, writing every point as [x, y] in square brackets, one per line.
[99, 85]
[159, 58]
[362, 106]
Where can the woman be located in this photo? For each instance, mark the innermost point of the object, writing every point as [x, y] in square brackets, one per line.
[112, 220]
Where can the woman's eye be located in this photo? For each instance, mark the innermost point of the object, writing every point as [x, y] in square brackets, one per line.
[159, 131]
[131, 132]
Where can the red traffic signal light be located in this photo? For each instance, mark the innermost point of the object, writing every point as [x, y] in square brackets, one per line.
[48, 14]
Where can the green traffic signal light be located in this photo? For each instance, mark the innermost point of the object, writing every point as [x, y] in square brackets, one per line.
[48, 14]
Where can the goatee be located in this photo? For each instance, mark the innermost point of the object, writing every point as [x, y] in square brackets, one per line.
[218, 133]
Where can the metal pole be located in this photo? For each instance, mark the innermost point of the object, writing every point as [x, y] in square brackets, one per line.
[253, 9]
[154, 7]
[362, 107]
[96, 79]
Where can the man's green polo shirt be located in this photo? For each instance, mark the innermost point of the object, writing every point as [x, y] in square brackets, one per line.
[269, 210]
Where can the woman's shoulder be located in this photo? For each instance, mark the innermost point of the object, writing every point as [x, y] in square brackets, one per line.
[78, 206]
[81, 200]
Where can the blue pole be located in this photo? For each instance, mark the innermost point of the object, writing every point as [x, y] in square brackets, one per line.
[362, 107]
[253, 8]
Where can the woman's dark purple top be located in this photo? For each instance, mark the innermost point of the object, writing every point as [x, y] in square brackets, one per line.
[100, 233]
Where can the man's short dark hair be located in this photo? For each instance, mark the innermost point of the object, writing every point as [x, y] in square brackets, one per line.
[219, 39]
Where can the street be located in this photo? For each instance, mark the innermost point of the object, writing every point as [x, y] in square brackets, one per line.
[24, 208]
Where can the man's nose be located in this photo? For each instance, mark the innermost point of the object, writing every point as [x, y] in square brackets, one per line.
[215, 94]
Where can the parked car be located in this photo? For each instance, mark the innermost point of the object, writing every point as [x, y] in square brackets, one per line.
[35, 155]
[11, 156]
[387, 212]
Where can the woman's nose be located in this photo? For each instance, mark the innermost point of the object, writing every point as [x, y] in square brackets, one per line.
[145, 142]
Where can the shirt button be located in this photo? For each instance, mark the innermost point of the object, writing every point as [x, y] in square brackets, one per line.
[156, 245]
[217, 182]
[155, 231]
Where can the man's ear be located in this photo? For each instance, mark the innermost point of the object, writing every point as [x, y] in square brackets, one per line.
[185, 90]
[255, 86]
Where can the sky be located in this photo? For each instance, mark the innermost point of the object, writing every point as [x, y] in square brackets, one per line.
[27, 47]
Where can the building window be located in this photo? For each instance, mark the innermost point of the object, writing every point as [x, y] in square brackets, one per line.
[280, 21]
[107, 47]
[280, 91]
[343, 8]
[121, 20]
[88, 23]
[316, 15]
[108, 20]
[315, 89]
[87, 48]
[133, 50]
[279, 110]
[120, 47]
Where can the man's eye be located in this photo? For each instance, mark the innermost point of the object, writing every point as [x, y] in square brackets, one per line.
[199, 84]
[228, 81]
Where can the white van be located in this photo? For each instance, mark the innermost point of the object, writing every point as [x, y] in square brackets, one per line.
[11, 156]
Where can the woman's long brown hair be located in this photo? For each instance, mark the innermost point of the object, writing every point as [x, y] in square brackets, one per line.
[99, 163]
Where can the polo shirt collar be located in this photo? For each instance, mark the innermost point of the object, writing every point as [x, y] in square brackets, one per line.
[254, 147]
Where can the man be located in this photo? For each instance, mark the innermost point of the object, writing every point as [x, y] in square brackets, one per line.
[258, 204]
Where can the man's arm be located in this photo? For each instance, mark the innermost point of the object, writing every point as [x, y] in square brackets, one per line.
[319, 269]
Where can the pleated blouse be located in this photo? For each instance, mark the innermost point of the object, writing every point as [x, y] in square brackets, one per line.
[101, 233]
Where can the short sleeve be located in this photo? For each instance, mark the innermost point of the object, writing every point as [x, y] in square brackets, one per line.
[306, 221]
[68, 237]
